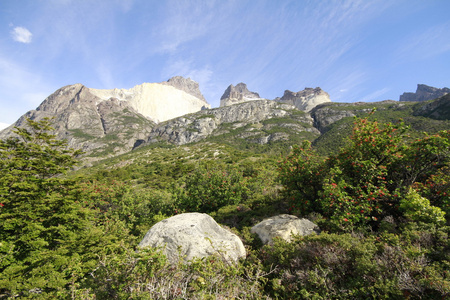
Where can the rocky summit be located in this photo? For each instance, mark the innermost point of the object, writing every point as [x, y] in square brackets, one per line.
[424, 93]
[306, 99]
[237, 94]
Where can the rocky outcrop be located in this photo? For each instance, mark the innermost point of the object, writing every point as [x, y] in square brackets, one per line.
[192, 235]
[237, 94]
[252, 118]
[329, 113]
[186, 84]
[160, 101]
[424, 93]
[306, 99]
[283, 226]
[438, 109]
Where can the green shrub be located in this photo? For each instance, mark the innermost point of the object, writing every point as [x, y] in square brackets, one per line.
[208, 189]
[345, 266]
[366, 180]
[418, 208]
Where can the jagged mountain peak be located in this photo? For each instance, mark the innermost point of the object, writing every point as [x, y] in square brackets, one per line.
[238, 94]
[186, 84]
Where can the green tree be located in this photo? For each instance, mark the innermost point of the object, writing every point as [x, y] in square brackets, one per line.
[43, 230]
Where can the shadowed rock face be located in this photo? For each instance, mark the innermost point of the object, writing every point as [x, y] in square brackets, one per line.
[424, 93]
[192, 235]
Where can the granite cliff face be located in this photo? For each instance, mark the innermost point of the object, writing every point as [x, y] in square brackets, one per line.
[237, 94]
[306, 99]
[160, 101]
[424, 93]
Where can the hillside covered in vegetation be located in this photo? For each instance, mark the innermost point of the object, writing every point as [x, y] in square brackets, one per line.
[375, 181]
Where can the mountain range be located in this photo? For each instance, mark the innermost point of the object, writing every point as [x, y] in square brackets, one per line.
[105, 123]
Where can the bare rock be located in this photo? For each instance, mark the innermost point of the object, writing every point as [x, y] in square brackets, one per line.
[186, 84]
[237, 94]
[193, 235]
[283, 226]
[306, 99]
[199, 126]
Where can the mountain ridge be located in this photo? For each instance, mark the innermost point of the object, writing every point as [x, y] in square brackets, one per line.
[105, 123]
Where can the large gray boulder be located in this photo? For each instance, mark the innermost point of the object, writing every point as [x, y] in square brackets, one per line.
[192, 235]
[283, 226]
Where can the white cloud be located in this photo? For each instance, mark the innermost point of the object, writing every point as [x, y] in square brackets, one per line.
[22, 35]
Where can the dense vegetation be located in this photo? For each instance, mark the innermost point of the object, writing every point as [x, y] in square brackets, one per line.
[382, 202]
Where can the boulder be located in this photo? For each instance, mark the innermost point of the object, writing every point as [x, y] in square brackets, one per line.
[192, 235]
[283, 226]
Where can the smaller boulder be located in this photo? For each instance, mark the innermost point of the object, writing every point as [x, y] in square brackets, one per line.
[192, 235]
[283, 226]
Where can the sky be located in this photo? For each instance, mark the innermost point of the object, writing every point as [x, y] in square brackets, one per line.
[355, 50]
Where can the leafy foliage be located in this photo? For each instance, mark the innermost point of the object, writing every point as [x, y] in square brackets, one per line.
[367, 179]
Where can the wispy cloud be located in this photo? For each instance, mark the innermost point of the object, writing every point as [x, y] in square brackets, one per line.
[21, 87]
[185, 21]
[375, 96]
[21, 35]
[426, 44]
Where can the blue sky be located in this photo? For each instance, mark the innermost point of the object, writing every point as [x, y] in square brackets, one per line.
[362, 50]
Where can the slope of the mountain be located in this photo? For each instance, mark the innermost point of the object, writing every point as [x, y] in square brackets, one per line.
[424, 93]
[98, 127]
[335, 120]
[258, 122]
